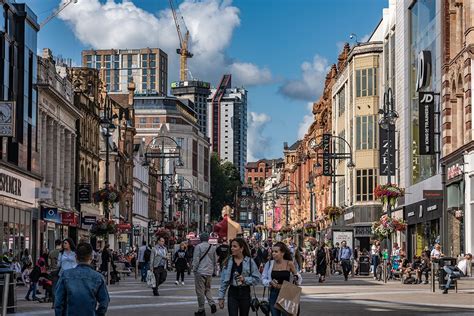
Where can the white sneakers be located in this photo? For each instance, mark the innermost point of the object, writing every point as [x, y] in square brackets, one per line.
[182, 283]
[176, 282]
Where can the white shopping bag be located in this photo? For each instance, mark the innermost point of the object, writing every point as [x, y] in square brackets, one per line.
[150, 279]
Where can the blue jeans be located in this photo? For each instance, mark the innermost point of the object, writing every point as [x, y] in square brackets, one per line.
[145, 268]
[375, 261]
[272, 300]
[452, 275]
[32, 289]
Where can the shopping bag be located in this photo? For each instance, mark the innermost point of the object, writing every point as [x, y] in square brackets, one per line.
[150, 279]
[289, 298]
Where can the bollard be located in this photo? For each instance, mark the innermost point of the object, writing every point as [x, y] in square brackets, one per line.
[384, 271]
[136, 268]
[433, 287]
[5, 294]
[108, 273]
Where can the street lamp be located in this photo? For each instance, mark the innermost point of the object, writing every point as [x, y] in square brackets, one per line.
[286, 191]
[310, 186]
[108, 129]
[163, 147]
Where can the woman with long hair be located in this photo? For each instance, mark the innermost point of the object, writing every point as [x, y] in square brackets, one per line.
[280, 269]
[67, 256]
[322, 262]
[239, 273]
[180, 262]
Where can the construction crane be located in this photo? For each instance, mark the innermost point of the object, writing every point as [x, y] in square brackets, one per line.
[183, 51]
[56, 12]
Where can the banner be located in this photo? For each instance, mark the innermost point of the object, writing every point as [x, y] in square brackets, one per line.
[387, 150]
[426, 121]
[326, 152]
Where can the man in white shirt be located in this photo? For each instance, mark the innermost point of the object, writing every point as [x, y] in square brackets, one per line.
[456, 272]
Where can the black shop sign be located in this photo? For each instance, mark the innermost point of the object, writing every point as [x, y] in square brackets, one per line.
[326, 155]
[84, 193]
[426, 121]
[423, 211]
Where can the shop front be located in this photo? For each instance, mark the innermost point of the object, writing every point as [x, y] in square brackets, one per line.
[360, 218]
[17, 211]
[140, 230]
[57, 224]
[424, 225]
[455, 207]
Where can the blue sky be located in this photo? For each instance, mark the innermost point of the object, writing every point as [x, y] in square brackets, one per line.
[263, 43]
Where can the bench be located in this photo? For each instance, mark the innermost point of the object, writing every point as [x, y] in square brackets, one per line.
[122, 269]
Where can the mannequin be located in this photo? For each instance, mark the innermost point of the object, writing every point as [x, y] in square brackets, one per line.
[227, 227]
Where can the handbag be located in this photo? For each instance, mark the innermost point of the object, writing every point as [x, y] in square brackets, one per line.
[289, 298]
[150, 279]
[264, 304]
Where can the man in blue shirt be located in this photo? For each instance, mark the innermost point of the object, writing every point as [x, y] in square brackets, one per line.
[84, 288]
[345, 255]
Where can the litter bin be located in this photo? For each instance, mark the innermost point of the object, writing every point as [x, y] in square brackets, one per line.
[364, 265]
[11, 301]
[445, 261]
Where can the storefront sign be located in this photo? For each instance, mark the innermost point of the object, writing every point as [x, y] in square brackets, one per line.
[17, 187]
[7, 118]
[426, 120]
[423, 70]
[84, 193]
[326, 155]
[432, 194]
[454, 171]
[51, 214]
[411, 214]
[339, 236]
[423, 211]
[70, 218]
[348, 216]
[89, 220]
[124, 226]
[363, 231]
[387, 151]
[45, 193]
[431, 208]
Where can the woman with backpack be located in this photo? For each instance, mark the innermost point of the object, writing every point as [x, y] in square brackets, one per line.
[239, 273]
[67, 256]
[180, 263]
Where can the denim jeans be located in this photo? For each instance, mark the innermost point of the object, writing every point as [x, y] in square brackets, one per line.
[145, 267]
[452, 275]
[32, 289]
[238, 302]
[375, 261]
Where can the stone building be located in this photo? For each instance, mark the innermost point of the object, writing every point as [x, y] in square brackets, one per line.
[57, 137]
[458, 139]
[86, 87]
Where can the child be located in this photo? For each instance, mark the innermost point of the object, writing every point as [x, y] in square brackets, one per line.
[35, 275]
[25, 276]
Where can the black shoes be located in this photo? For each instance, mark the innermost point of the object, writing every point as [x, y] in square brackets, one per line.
[445, 291]
[155, 292]
[200, 313]
[213, 309]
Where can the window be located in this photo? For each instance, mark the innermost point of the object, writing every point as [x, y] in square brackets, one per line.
[249, 180]
[156, 120]
[143, 120]
[89, 58]
[366, 82]
[342, 192]
[341, 145]
[366, 183]
[341, 101]
[366, 137]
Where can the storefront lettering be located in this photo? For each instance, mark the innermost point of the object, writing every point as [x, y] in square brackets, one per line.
[454, 171]
[10, 184]
[432, 208]
[411, 214]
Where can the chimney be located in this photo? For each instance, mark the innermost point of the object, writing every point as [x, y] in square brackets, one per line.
[285, 145]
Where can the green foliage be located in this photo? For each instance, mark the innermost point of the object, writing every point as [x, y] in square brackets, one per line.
[225, 181]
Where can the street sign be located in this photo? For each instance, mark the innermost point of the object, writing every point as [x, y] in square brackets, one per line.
[326, 154]
[386, 157]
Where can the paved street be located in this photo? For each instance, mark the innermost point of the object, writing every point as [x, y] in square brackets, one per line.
[360, 296]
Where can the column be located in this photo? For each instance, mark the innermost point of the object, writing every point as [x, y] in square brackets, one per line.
[72, 168]
[61, 172]
[67, 169]
[50, 157]
[43, 146]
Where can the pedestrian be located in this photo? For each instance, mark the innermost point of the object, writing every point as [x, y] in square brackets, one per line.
[180, 263]
[67, 256]
[335, 258]
[204, 265]
[239, 273]
[142, 264]
[457, 271]
[356, 260]
[105, 259]
[280, 269]
[53, 255]
[158, 264]
[436, 253]
[322, 262]
[189, 256]
[34, 276]
[81, 290]
[375, 257]
[222, 252]
[26, 259]
[345, 256]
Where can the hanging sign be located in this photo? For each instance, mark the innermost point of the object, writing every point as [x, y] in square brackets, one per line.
[326, 154]
[387, 150]
[7, 118]
[426, 121]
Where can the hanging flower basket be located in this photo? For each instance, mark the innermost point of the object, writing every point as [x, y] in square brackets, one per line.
[170, 225]
[260, 228]
[311, 240]
[388, 193]
[386, 225]
[181, 227]
[193, 225]
[310, 228]
[163, 233]
[103, 227]
[109, 195]
[333, 212]
[286, 230]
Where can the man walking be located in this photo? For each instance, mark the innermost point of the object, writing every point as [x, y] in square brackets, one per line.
[158, 261]
[144, 260]
[81, 290]
[204, 263]
[345, 254]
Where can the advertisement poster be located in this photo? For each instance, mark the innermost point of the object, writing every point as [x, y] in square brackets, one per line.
[277, 219]
[338, 236]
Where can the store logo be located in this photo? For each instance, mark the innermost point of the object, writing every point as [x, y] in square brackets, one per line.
[426, 119]
[9, 184]
[423, 70]
[454, 171]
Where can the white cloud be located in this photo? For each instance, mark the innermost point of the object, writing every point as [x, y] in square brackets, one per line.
[211, 24]
[258, 145]
[308, 119]
[311, 83]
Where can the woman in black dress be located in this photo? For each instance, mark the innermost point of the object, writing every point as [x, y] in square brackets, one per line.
[321, 262]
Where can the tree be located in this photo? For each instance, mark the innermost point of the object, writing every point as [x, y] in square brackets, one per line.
[225, 181]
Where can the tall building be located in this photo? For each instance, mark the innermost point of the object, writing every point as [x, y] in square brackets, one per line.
[19, 148]
[227, 126]
[197, 92]
[147, 67]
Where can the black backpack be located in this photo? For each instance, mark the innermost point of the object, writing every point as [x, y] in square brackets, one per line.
[147, 255]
